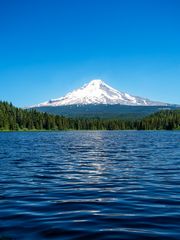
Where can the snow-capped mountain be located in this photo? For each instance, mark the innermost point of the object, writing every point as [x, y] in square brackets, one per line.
[98, 92]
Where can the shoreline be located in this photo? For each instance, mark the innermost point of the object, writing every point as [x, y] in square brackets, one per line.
[76, 130]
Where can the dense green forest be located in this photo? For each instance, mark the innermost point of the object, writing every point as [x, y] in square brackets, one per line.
[12, 118]
[104, 111]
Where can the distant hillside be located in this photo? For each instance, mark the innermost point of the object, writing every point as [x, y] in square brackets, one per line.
[12, 118]
[104, 111]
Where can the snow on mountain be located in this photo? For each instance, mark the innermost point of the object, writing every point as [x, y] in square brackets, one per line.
[98, 92]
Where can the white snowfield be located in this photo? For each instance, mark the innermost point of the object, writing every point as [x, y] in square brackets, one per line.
[98, 92]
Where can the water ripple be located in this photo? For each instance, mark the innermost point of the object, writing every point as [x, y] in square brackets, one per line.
[90, 184]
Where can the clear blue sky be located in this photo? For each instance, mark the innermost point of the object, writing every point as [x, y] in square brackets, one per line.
[49, 47]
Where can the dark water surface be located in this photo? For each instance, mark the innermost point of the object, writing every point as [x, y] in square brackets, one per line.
[90, 185]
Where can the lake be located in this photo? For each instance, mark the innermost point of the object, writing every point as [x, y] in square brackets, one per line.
[90, 185]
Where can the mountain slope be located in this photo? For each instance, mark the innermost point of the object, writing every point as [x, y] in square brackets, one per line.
[97, 92]
[104, 111]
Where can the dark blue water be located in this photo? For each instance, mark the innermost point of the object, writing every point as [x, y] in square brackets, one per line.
[90, 185]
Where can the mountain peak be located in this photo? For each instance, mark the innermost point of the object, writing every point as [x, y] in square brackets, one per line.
[96, 82]
[98, 92]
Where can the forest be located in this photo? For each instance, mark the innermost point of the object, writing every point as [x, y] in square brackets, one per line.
[17, 119]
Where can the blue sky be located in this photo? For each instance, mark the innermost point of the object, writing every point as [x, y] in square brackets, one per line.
[49, 47]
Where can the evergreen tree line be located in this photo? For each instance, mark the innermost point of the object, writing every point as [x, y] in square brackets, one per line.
[12, 118]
